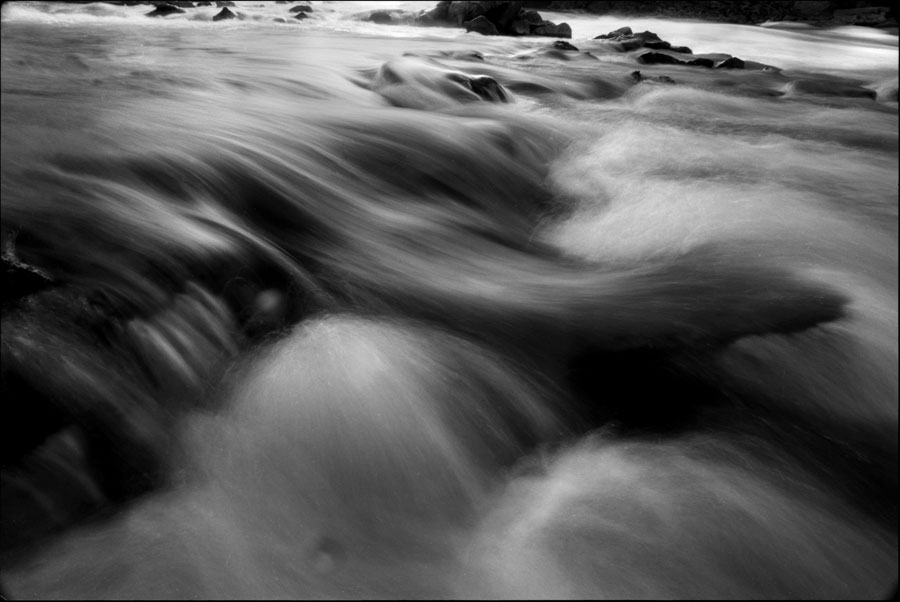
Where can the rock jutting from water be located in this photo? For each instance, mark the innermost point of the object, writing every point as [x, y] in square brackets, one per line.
[224, 14]
[487, 18]
[164, 10]
[661, 52]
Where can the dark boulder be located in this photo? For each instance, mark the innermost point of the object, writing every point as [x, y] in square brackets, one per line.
[531, 16]
[164, 10]
[481, 25]
[701, 62]
[732, 63]
[658, 58]
[560, 45]
[507, 18]
[625, 40]
[304, 8]
[661, 58]
[563, 30]
[520, 27]
[301, 16]
[224, 14]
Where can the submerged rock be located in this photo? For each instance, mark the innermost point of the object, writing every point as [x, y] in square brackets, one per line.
[653, 79]
[421, 84]
[661, 58]
[224, 14]
[164, 10]
[560, 45]
[828, 87]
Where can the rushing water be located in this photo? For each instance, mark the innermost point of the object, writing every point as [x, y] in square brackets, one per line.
[350, 310]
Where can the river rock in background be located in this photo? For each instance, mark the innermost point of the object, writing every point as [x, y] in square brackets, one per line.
[482, 25]
[625, 40]
[164, 10]
[488, 18]
[876, 13]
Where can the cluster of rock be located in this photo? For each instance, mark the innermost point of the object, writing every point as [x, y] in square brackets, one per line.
[660, 52]
[879, 13]
[487, 18]
[165, 8]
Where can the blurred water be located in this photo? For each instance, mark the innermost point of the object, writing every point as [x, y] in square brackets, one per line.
[380, 290]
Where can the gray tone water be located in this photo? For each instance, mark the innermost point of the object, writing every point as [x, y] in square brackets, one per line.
[410, 312]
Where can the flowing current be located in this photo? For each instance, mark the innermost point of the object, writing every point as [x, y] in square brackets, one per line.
[333, 309]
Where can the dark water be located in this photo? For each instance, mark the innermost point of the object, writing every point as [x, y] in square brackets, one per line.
[346, 310]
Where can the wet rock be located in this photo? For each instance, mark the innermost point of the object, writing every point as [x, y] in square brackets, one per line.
[305, 8]
[224, 14]
[422, 84]
[732, 63]
[659, 58]
[563, 30]
[301, 16]
[625, 40]
[164, 10]
[481, 25]
[508, 18]
[701, 62]
[560, 45]
[618, 33]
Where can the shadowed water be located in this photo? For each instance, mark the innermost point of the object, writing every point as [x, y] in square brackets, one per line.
[329, 309]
